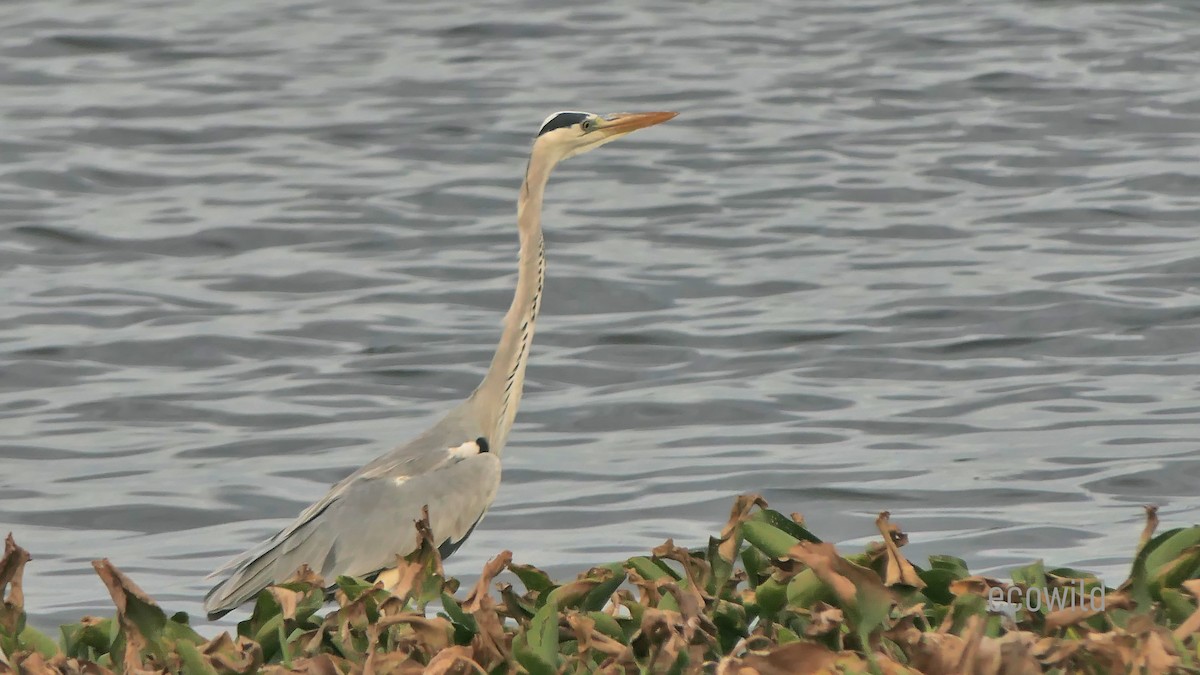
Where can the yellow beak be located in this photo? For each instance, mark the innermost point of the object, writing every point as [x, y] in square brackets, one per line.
[623, 123]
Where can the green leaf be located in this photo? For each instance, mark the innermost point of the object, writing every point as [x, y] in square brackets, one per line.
[268, 637]
[1152, 566]
[783, 523]
[1177, 605]
[599, 596]
[193, 662]
[1068, 573]
[543, 633]
[964, 607]
[35, 640]
[536, 649]
[731, 622]
[70, 640]
[534, 579]
[1031, 576]
[456, 614]
[680, 665]
[180, 631]
[721, 567]
[772, 597]
[606, 624]
[352, 587]
[262, 626]
[668, 601]
[871, 608]
[651, 569]
[83, 641]
[806, 589]
[518, 606]
[755, 564]
[948, 563]
[769, 539]
[1169, 545]
[1173, 574]
[937, 584]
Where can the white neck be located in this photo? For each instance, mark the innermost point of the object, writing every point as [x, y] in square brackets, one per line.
[499, 395]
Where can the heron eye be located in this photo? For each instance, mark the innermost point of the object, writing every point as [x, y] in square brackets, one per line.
[588, 125]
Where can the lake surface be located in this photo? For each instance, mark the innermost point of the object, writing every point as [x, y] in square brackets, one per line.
[937, 257]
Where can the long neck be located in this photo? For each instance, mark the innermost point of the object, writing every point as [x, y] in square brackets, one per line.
[499, 394]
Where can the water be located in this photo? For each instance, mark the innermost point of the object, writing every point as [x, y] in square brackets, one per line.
[936, 257]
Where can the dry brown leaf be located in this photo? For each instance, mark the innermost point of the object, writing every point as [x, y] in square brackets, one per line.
[694, 569]
[391, 663]
[491, 645]
[977, 585]
[1016, 653]
[34, 663]
[1192, 623]
[582, 627]
[120, 587]
[663, 631]
[690, 602]
[1055, 652]
[572, 591]
[589, 639]
[12, 567]
[1081, 611]
[321, 664]
[404, 578]
[305, 575]
[897, 570]
[843, 576]
[743, 506]
[1151, 524]
[288, 600]
[649, 590]
[795, 658]
[61, 665]
[482, 587]
[937, 653]
[401, 579]
[240, 656]
[1152, 649]
[825, 618]
[1155, 655]
[453, 661]
[977, 657]
[1112, 649]
[824, 561]
[433, 635]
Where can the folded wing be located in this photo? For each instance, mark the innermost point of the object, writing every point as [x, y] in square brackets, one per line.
[363, 524]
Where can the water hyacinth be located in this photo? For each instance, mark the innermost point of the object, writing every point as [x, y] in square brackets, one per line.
[765, 596]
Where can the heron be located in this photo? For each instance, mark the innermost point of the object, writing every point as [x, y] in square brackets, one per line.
[361, 526]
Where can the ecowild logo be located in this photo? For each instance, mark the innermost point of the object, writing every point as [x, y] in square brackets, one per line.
[1034, 599]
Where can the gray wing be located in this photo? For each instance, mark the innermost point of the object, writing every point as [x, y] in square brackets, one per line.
[363, 524]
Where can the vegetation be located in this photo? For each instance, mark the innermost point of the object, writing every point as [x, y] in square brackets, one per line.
[766, 596]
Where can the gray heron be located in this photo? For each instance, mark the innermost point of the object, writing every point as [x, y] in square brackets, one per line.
[364, 522]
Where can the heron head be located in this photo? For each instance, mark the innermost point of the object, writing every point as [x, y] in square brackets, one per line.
[569, 133]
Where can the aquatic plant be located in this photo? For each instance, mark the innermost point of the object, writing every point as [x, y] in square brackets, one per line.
[765, 596]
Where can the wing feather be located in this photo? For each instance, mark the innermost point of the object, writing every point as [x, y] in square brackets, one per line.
[363, 524]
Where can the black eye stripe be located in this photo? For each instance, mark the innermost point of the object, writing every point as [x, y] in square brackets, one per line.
[563, 119]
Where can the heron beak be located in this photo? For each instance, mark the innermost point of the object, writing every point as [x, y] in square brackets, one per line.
[623, 123]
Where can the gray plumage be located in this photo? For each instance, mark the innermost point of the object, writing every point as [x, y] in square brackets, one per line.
[366, 520]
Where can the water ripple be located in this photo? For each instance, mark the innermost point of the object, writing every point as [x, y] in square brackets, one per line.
[931, 257]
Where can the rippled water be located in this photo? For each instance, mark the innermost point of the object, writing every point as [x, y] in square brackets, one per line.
[938, 257]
